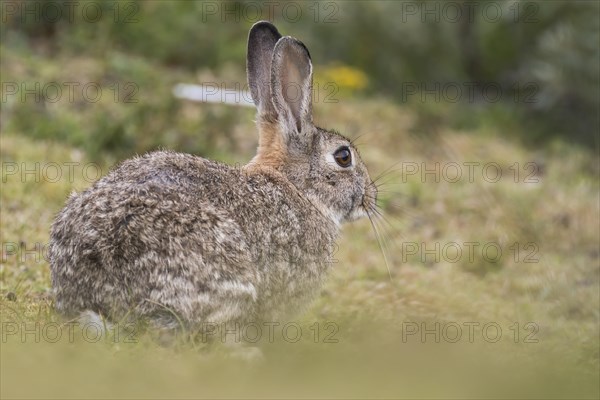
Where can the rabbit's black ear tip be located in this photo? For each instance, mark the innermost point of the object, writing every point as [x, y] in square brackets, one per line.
[264, 26]
[303, 47]
[294, 44]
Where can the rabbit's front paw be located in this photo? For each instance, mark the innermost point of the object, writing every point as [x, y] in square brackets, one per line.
[249, 354]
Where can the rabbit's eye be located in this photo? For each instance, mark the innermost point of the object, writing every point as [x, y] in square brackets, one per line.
[343, 156]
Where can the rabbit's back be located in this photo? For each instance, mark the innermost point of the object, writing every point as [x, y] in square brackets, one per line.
[173, 234]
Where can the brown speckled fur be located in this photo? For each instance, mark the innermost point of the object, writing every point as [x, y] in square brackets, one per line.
[175, 237]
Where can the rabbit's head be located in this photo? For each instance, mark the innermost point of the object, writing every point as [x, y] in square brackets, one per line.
[322, 164]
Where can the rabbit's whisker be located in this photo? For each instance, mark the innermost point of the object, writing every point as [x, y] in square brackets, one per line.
[381, 247]
[354, 142]
[402, 209]
[387, 171]
[387, 228]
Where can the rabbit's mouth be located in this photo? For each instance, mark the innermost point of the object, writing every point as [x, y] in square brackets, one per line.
[361, 208]
[368, 204]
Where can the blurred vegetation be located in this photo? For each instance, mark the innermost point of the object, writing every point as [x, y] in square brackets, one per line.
[528, 67]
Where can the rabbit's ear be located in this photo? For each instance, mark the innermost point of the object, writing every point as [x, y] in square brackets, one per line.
[291, 86]
[261, 41]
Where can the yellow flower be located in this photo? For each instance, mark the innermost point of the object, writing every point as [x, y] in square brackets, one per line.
[347, 79]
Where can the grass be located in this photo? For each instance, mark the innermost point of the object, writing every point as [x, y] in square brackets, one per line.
[547, 309]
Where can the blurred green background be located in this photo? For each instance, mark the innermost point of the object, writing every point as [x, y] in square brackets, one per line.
[515, 83]
[530, 68]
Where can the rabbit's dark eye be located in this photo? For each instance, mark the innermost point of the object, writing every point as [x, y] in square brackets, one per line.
[343, 156]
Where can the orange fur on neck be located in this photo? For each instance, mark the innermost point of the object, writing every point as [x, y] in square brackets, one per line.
[272, 150]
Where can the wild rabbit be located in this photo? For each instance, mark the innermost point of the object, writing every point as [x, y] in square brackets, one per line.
[176, 238]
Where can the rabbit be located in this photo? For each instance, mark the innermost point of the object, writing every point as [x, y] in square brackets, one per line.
[178, 239]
